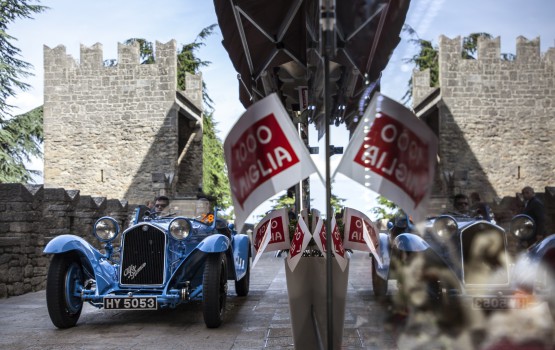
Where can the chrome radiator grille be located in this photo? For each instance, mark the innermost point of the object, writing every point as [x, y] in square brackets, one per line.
[143, 256]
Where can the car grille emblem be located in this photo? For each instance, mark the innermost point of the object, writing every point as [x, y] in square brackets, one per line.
[132, 271]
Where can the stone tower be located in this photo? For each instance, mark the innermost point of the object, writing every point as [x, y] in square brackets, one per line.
[495, 119]
[121, 131]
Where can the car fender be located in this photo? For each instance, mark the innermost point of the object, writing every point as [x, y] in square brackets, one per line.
[193, 264]
[241, 254]
[215, 243]
[97, 263]
[410, 242]
[529, 265]
[383, 270]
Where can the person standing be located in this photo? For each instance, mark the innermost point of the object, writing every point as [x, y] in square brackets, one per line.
[533, 207]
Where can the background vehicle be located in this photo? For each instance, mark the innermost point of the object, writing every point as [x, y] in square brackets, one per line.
[163, 261]
[462, 256]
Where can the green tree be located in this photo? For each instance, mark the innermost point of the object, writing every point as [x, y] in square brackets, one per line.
[214, 177]
[20, 136]
[284, 201]
[386, 209]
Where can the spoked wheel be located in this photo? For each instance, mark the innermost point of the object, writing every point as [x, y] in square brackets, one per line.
[378, 284]
[214, 289]
[242, 286]
[63, 287]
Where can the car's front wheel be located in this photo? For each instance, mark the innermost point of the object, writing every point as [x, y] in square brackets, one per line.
[242, 286]
[63, 287]
[214, 289]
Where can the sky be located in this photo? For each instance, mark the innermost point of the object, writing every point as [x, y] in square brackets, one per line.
[72, 23]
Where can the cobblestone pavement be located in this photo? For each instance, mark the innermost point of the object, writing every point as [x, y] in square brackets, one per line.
[258, 321]
[262, 321]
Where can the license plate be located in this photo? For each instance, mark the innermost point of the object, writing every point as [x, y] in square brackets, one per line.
[500, 303]
[131, 303]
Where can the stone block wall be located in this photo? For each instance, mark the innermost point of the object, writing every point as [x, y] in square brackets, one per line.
[107, 130]
[496, 117]
[30, 216]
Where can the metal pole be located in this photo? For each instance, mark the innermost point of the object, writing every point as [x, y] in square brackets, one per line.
[327, 24]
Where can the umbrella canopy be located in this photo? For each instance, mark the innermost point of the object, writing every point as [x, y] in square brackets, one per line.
[275, 46]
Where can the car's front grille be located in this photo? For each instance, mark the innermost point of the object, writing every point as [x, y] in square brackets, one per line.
[143, 256]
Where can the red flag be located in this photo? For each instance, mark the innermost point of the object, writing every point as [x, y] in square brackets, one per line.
[360, 233]
[393, 153]
[264, 155]
[271, 233]
[299, 243]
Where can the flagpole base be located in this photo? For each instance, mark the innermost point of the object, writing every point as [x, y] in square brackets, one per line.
[306, 288]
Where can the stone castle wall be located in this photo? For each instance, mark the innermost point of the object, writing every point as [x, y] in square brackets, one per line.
[30, 216]
[109, 131]
[496, 117]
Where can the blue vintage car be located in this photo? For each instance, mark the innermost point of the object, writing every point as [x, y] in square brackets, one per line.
[161, 262]
[463, 256]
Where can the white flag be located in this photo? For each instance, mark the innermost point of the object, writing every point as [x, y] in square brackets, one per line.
[393, 153]
[299, 243]
[271, 233]
[264, 155]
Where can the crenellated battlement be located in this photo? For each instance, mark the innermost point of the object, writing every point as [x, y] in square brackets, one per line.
[490, 49]
[93, 57]
[493, 115]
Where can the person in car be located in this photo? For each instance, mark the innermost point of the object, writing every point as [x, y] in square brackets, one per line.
[533, 207]
[161, 204]
[461, 204]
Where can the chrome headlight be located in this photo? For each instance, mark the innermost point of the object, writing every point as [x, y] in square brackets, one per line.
[445, 227]
[180, 228]
[106, 229]
[522, 226]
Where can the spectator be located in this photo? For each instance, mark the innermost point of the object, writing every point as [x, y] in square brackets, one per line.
[160, 204]
[534, 208]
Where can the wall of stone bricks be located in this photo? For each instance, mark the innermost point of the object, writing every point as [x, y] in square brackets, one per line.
[30, 216]
[497, 117]
[109, 130]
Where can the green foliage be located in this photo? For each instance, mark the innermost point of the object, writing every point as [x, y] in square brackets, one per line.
[146, 49]
[214, 179]
[285, 201]
[20, 139]
[20, 136]
[470, 44]
[188, 62]
[386, 209]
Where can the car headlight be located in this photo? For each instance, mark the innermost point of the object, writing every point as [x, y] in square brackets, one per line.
[106, 229]
[445, 226]
[180, 228]
[522, 226]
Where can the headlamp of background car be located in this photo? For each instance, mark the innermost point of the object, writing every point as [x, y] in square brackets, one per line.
[445, 226]
[522, 226]
[106, 229]
[180, 228]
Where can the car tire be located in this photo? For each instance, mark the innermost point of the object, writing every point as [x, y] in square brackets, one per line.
[63, 284]
[379, 285]
[214, 289]
[242, 286]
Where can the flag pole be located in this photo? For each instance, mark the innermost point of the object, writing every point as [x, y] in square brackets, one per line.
[327, 26]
